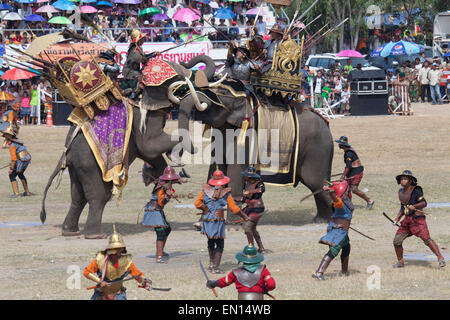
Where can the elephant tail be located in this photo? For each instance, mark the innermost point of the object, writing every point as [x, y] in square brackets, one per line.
[58, 170]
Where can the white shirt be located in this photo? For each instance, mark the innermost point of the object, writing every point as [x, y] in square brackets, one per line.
[318, 87]
[423, 75]
[434, 76]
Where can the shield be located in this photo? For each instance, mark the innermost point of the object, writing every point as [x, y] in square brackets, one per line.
[85, 75]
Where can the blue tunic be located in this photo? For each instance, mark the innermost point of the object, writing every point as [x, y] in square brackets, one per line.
[212, 226]
[334, 235]
[154, 217]
[23, 163]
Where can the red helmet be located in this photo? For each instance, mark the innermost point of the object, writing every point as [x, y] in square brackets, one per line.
[340, 187]
[218, 179]
[169, 174]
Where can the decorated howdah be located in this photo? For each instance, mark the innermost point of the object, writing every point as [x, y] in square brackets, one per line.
[82, 84]
[285, 75]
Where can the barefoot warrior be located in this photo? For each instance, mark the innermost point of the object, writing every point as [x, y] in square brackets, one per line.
[414, 223]
[212, 200]
[353, 171]
[337, 231]
[154, 214]
[252, 280]
[110, 268]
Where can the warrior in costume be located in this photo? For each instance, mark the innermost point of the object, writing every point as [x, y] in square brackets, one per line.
[337, 231]
[253, 191]
[20, 159]
[212, 200]
[268, 46]
[154, 210]
[12, 117]
[252, 280]
[107, 61]
[353, 171]
[132, 69]
[110, 268]
[412, 202]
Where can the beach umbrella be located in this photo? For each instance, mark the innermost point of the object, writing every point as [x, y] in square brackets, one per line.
[12, 16]
[254, 12]
[88, 1]
[59, 20]
[446, 55]
[224, 13]
[88, 9]
[17, 74]
[103, 3]
[203, 1]
[42, 1]
[150, 10]
[350, 54]
[214, 5]
[64, 5]
[397, 49]
[127, 1]
[160, 17]
[6, 96]
[187, 15]
[47, 9]
[4, 6]
[34, 18]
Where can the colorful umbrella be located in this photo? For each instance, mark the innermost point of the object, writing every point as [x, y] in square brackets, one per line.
[224, 13]
[4, 6]
[88, 1]
[47, 9]
[64, 5]
[12, 16]
[103, 3]
[41, 1]
[150, 10]
[397, 49]
[214, 5]
[187, 15]
[127, 1]
[350, 54]
[34, 17]
[25, 1]
[160, 17]
[254, 12]
[446, 55]
[6, 96]
[204, 1]
[17, 74]
[59, 20]
[88, 9]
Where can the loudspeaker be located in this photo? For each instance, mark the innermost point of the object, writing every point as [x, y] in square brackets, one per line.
[369, 105]
[61, 112]
[366, 75]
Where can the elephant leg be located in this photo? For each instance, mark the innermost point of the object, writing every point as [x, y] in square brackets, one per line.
[237, 187]
[93, 229]
[70, 225]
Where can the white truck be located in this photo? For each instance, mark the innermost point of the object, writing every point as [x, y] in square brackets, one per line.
[441, 33]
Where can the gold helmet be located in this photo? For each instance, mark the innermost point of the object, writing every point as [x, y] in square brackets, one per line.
[136, 35]
[115, 241]
[9, 133]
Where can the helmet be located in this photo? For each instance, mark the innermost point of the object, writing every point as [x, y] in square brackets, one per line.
[249, 255]
[250, 172]
[407, 173]
[218, 179]
[340, 187]
[136, 35]
[115, 240]
[169, 174]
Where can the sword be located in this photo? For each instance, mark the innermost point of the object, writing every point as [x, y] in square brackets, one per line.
[361, 233]
[206, 276]
[4, 167]
[387, 217]
[157, 289]
[118, 280]
[311, 194]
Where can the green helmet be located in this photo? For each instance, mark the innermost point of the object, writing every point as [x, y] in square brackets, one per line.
[249, 255]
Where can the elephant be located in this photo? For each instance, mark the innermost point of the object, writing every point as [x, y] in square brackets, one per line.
[148, 142]
[315, 151]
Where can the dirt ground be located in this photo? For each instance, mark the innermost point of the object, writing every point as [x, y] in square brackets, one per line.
[36, 262]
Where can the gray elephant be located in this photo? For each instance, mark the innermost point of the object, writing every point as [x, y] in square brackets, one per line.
[315, 151]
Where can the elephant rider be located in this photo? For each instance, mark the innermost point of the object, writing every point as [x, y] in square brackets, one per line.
[132, 68]
[240, 64]
[253, 191]
[110, 267]
[154, 214]
[268, 46]
[20, 159]
[337, 230]
[252, 279]
[414, 223]
[107, 61]
[353, 171]
[212, 200]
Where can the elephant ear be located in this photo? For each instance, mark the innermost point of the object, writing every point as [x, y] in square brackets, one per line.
[201, 80]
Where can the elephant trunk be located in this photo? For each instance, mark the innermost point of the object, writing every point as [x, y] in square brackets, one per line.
[184, 112]
[210, 68]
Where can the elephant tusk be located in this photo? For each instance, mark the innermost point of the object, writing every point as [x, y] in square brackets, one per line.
[170, 90]
[211, 85]
[198, 105]
[219, 72]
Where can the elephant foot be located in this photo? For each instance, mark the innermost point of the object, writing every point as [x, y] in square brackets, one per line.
[67, 233]
[95, 236]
